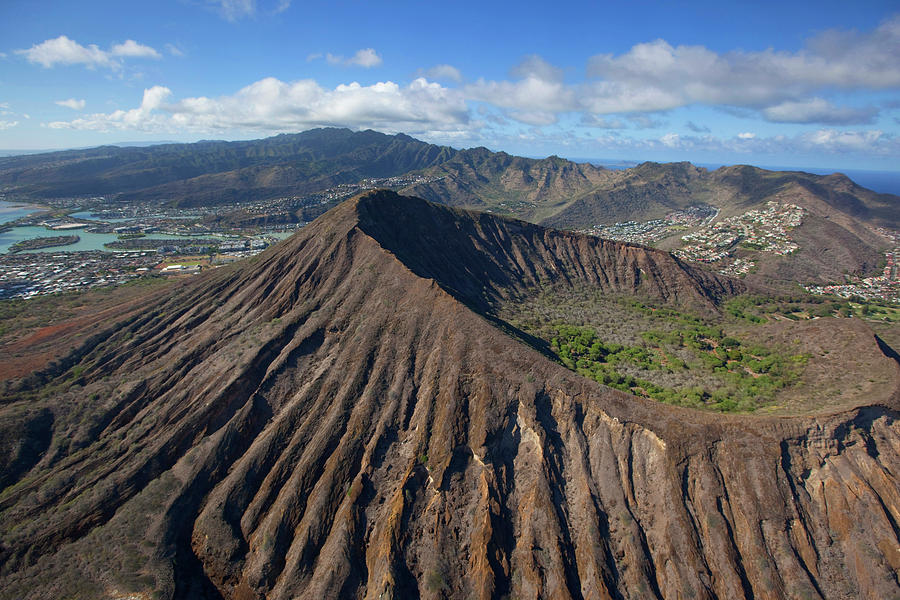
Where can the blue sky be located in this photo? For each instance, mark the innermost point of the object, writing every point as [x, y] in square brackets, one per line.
[812, 84]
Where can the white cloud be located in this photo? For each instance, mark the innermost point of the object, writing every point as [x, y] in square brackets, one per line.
[680, 75]
[144, 118]
[71, 103]
[443, 72]
[670, 140]
[536, 98]
[271, 105]
[533, 66]
[746, 135]
[366, 58]
[539, 89]
[283, 5]
[65, 51]
[818, 110]
[656, 76]
[132, 49]
[832, 140]
[8, 124]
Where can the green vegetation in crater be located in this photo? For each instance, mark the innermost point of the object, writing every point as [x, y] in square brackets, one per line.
[737, 376]
[711, 362]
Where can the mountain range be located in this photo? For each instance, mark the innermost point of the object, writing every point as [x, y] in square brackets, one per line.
[347, 415]
[836, 238]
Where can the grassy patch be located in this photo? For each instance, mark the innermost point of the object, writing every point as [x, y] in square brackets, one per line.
[736, 376]
[702, 361]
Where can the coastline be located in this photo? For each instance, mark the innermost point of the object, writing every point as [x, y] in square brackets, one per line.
[12, 211]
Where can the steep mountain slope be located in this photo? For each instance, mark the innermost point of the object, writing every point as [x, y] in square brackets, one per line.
[338, 418]
[209, 173]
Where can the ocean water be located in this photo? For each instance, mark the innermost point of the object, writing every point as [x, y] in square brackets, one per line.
[11, 212]
[88, 241]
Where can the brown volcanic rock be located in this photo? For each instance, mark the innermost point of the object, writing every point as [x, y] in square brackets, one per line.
[335, 420]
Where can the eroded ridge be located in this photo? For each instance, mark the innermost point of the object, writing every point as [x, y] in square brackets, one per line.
[333, 421]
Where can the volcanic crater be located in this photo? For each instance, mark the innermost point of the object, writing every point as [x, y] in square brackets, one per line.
[345, 416]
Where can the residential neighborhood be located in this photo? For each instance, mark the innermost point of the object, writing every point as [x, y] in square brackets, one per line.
[648, 232]
[765, 230]
[882, 288]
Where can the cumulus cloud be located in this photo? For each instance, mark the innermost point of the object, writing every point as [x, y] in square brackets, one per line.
[8, 124]
[443, 72]
[533, 66]
[680, 75]
[538, 91]
[746, 135]
[65, 51]
[271, 105]
[832, 140]
[143, 118]
[366, 58]
[818, 110]
[670, 140]
[71, 103]
[656, 76]
[133, 49]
